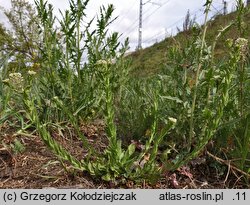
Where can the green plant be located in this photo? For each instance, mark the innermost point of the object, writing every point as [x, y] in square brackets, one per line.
[17, 147]
[120, 163]
[103, 75]
[134, 108]
[21, 40]
[242, 137]
[203, 95]
[152, 124]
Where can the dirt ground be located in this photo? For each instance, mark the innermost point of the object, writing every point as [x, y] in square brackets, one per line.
[37, 167]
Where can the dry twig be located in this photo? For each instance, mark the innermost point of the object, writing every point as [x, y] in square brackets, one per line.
[228, 163]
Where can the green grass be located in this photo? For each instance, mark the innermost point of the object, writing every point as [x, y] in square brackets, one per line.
[151, 60]
[172, 116]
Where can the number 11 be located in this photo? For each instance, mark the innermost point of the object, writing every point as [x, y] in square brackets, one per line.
[241, 196]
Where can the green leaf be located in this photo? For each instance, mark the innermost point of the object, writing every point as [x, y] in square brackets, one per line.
[119, 150]
[131, 149]
[107, 177]
[176, 99]
[90, 168]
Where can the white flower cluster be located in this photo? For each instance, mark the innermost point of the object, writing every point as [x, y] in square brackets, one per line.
[173, 120]
[103, 65]
[242, 45]
[101, 62]
[104, 62]
[15, 80]
[31, 72]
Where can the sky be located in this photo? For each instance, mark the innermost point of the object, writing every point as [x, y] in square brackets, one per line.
[160, 17]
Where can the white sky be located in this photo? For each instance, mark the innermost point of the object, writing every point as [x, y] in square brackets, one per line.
[159, 19]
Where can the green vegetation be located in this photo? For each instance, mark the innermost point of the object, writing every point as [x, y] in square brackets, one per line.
[154, 124]
[152, 59]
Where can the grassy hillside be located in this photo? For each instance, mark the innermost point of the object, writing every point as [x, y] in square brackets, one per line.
[151, 59]
[65, 121]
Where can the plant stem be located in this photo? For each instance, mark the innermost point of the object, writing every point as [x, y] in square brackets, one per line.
[222, 32]
[241, 89]
[191, 131]
[78, 66]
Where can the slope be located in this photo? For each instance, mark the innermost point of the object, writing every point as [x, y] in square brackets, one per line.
[150, 60]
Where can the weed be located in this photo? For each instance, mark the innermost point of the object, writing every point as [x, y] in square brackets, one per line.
[152, 124]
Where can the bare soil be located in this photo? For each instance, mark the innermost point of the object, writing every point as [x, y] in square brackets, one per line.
[37, 167]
